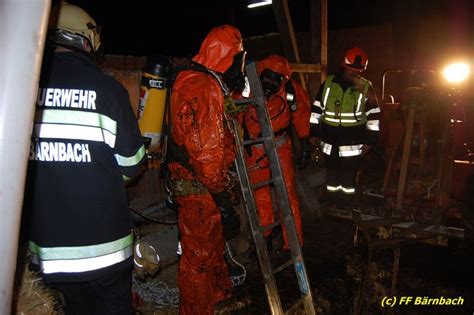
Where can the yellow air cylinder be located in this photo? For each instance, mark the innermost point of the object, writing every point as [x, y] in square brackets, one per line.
[153, 93]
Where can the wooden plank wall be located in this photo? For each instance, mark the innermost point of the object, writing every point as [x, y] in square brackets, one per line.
[128, 71]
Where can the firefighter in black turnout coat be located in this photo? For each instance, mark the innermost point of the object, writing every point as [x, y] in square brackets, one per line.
[85, 142]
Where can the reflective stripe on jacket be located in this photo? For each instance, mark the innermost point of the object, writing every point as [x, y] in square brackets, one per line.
[81, 258]
[343, 150]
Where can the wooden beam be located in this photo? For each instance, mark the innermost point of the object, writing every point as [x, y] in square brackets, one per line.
[305, 67]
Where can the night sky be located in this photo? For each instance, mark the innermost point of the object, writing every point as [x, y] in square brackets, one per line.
[176, 28]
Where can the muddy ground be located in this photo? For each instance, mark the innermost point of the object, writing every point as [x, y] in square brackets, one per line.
[336, 267]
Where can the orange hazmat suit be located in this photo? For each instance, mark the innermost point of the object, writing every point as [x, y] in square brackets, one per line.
[198, 125]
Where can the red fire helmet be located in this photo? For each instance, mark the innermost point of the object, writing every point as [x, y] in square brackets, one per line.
[355, 58]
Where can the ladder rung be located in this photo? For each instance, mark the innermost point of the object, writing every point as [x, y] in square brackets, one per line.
[283, 266]
[246, 101]
[256, 140]
[263, 184]
[270, 226]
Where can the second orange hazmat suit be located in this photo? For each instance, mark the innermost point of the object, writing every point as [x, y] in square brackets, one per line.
[281, 116]
[198, 125]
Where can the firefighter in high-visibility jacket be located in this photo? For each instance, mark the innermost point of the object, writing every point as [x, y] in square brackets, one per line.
[345, 119]
[202, 151]
[288, 104]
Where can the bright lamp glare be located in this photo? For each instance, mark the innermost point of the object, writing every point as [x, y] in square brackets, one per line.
[255, 4]
[456, 72]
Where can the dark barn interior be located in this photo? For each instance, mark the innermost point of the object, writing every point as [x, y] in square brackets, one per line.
[410, 236]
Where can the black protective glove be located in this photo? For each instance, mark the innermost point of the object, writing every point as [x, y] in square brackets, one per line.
[229, 217]
[304, 153]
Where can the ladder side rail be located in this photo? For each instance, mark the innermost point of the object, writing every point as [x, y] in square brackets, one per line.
[273, 296]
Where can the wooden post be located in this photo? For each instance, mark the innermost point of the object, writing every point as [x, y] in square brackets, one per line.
[287, 34]
[319, 39]
[405, 158]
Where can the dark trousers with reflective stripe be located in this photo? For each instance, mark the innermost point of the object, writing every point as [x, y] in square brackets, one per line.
[110, 294]
[342, 171]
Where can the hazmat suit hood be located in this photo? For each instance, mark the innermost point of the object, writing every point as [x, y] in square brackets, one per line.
[277, 64]
[219, 47]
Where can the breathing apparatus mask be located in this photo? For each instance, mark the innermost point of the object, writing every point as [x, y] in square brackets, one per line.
[271, 82]
[234, 77]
